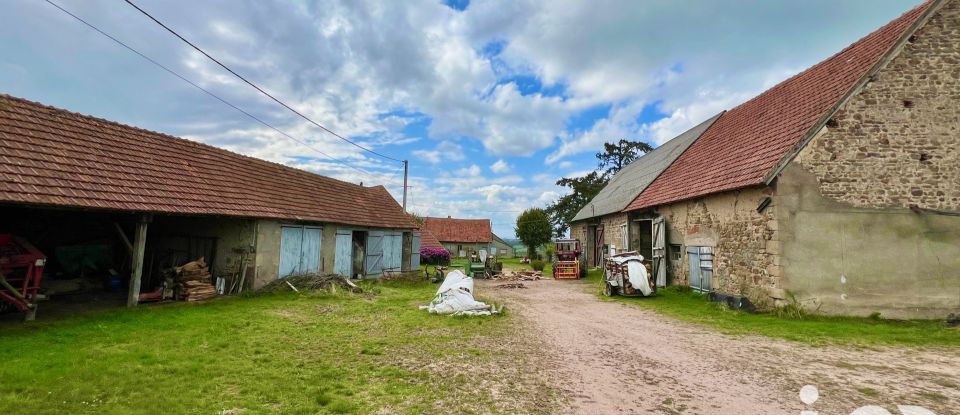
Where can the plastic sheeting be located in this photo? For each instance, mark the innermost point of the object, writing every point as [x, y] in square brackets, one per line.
[455, 297]
[636, 272]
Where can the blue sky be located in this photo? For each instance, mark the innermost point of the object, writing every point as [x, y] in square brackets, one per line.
[491, 101]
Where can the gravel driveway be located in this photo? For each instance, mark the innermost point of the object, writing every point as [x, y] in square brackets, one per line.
[611, 357]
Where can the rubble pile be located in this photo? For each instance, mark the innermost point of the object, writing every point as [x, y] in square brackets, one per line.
[519, 276]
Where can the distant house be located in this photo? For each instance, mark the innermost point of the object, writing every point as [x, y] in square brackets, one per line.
[503, 249]
[69, 180]
[463, 237]
[839, 187]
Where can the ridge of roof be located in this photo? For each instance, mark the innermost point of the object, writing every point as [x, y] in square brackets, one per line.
[749, 141]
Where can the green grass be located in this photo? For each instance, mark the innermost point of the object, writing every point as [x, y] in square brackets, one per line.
[811, 329]
[284, 353]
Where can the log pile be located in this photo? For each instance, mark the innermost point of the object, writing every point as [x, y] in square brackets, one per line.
[519, 276]
[194, 278]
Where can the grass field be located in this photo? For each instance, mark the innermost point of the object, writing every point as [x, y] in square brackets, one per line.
[811, 329]
[282, 353]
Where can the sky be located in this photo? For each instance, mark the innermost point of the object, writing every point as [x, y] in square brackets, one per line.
[491, 101]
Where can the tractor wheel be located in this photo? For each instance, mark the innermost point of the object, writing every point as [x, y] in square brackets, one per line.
[608, 290]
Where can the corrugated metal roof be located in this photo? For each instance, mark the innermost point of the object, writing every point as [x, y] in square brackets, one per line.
[634, 178]
[746, 144]
[54, 157]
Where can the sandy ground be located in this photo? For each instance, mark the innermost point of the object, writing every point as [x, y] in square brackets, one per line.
[610, 357]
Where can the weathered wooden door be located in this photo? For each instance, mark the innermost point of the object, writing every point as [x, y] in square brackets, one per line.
[310, 251]
[659, 251]
[415, 252]
[392, 250]
[291, 241]
[598, 246]
[299, 250]
[374, 263]
[343, 257]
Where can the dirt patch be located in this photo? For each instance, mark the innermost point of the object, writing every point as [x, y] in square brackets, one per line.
[615, 358]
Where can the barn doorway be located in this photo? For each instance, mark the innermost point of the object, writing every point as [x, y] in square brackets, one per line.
[358, 253]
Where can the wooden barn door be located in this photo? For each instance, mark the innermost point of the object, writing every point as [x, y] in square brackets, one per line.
[374, 262]
[343, 258]
[660, 251]
[598, 246]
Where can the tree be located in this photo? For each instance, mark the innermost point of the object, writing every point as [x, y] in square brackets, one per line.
[614, 158]
[582, 190]
[533, 229]
[618, 155]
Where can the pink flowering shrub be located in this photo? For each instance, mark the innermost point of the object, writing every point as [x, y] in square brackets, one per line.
[434, 256]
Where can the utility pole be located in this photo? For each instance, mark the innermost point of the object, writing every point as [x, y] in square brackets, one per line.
[406, 165]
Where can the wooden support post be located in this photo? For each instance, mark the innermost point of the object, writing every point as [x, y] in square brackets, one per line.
[136, 265]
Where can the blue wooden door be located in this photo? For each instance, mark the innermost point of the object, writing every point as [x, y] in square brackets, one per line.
[374, 261]
[343, 257]
[701, 267]
[291, 241]
[310, 251]
[415, 252]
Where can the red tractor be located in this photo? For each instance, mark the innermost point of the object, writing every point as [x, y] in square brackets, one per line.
[568, 264]
[21, 269]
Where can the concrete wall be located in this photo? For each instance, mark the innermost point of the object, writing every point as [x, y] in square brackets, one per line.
[850, 243]
[611, 229]
[745, 242]
[268, 252]
[857, 261]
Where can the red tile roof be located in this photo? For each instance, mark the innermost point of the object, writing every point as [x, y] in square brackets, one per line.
[428, 240]
[54, 157]
[459, 230]
[742, 147]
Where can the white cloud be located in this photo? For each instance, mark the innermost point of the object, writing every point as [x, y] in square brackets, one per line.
[500, 167]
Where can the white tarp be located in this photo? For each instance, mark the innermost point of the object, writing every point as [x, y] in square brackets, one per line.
[636, 272]
[455, 297]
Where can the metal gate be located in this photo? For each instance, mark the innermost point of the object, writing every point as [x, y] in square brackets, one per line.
[701, 267]
[659, 251]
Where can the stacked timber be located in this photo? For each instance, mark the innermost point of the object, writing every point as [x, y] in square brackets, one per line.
[194, 278]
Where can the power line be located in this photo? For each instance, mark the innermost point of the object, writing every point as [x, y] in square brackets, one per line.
[224, 101]
[197, 48]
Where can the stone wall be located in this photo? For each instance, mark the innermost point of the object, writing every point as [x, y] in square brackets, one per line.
[612, 234]
[746, 243]
[897, 142]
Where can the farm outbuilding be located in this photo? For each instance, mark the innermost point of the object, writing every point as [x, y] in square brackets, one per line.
[838, 188]
[113, 206]
[465, 237]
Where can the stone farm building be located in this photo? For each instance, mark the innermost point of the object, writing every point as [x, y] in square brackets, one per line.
[840, 185]
[463, 237]
[73, 181]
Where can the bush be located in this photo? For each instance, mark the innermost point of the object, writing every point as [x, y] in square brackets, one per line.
[537, 265]
[549, 255]
[434, 256]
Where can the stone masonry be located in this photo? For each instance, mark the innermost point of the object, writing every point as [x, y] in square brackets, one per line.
[895, 144]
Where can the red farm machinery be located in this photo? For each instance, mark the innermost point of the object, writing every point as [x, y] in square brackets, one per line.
[568, 264]
[21, 269]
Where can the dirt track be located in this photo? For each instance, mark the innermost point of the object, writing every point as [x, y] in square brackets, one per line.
[611, 357]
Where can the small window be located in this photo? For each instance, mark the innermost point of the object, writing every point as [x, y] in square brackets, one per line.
[675, 252]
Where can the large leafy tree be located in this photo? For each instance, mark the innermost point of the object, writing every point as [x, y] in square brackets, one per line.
[615, 157]
[533, 229]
